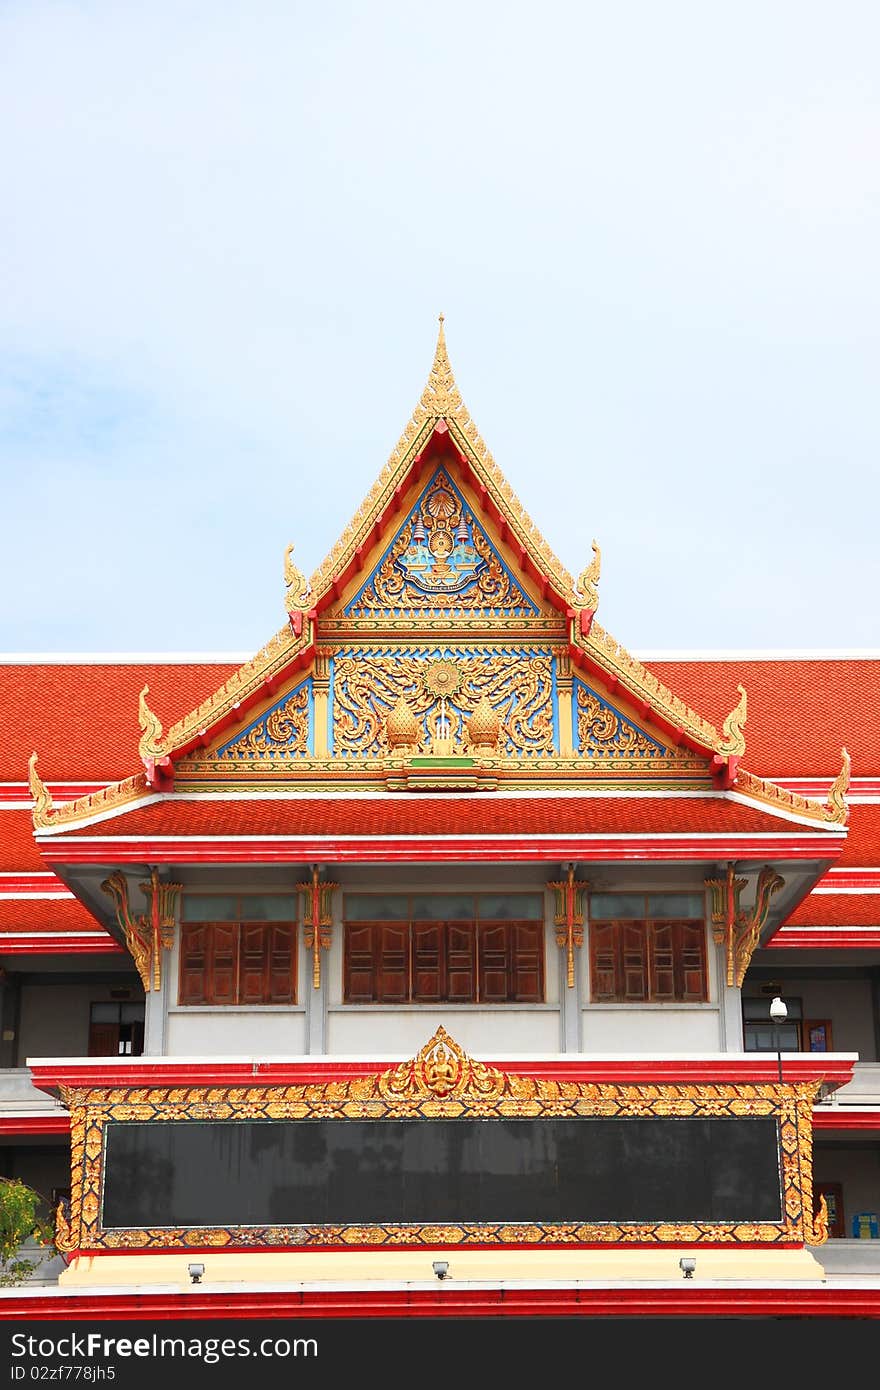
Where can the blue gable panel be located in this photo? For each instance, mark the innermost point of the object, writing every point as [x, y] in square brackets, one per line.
[285, 731]
[441, 562]
[601, 731]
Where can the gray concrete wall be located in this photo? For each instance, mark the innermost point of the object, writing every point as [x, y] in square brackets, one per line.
[55, 1019]
[857, 1168]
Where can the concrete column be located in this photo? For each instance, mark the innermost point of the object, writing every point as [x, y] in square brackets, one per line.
[730, 1013]
[570, 1000]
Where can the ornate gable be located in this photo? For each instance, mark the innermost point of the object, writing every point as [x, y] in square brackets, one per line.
[441, 630]
[441, 563]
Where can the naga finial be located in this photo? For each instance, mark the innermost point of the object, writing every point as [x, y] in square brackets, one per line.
[733, 742]
[150, 745]
[836, 805]
[296, 597]
[43, 806]
[588, 583]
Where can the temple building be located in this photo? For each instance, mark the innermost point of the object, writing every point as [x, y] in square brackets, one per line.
[443, 928]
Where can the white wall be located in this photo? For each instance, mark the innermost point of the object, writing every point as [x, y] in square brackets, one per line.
[205, 1032]
[386, 1032]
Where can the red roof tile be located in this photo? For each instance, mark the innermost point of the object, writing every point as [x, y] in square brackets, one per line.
[46, 914]
[862, 847]
[17, 848]
[83, 719]
[801, 713]
[837, 910]
[403, 814]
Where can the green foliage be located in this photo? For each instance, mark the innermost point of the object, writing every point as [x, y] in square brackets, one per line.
[20, 1221]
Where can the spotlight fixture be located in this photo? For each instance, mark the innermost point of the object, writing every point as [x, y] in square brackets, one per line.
[195, 1273]
[441, 1269]
[687, 1265]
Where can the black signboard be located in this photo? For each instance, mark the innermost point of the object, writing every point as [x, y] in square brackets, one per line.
[546, 1171]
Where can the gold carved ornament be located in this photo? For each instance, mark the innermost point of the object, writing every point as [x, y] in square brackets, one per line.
[568, 916]
[733, 741]
[44, 809]
[150, 745]
[297, 592]
[440, 523]
[284, 731]
[738, 930]
[148, 935]
[367, 689]
[604, 733]
[836, 806]
[318, 920]
[588, 581]
[441, 1081]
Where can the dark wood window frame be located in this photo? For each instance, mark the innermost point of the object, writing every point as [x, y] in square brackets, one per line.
[237, 963]
[495, 961]
[638, 961]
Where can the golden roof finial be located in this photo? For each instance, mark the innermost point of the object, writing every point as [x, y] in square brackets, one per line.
[296, 597]
[150, 745]
[733, 742]
[836, 805]
[589, 580]
[441, 396]
[43, 807]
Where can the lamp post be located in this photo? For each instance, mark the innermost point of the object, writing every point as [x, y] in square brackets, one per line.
[778, 1014]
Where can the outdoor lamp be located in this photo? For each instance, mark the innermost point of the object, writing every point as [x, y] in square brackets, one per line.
[195, 1273]
[687, 1264]
[441, 1269]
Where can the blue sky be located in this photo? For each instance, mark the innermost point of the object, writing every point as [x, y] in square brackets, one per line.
[228, 230]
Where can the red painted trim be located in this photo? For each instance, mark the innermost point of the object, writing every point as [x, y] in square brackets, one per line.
[455, 1301]
[647, 1070]
[28, 885]
[846, 1119]
[165, 1252]
[848, 939]
[415, 849]
[35, 944]
[34, 1124]
[836, 879]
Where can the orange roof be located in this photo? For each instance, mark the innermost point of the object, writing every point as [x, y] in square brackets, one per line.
[801, 712]
[82, 718]
[46, 914]
[862, 846]
[403, 814]
[837, 910]
[17, 847]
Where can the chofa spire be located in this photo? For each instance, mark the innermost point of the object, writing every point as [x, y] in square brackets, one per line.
[441, 396]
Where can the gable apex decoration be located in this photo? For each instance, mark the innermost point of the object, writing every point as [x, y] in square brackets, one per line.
[441, 409]
[836, 805]
[733, 743]
[43, 805]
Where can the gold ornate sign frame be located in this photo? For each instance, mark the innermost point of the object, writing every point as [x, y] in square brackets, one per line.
[441, 1081]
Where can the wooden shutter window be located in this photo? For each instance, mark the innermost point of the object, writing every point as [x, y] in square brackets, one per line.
[461, 962]
[222, 972]
[692, 961]
[248, 963]
[428, 962]
[392, 969]
[493, 963]
[634, 971]
[281, 964]
[193, 964]
[662, 961]
[526, 962]
[252, 964]
[359, 966]
[603, 961]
